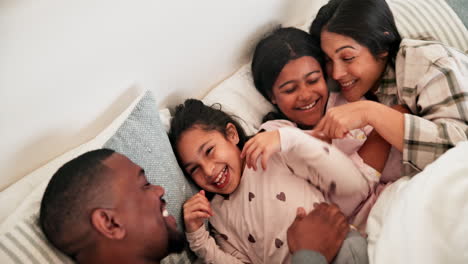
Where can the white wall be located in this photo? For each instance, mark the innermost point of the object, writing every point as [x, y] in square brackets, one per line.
[67, 68]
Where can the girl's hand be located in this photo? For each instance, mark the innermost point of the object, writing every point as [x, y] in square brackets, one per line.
[196, 210]
[265, 144]
[341, 119]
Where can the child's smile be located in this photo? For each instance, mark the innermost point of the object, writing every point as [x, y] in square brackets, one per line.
[211, 158]
[300, 91]
[222, 179]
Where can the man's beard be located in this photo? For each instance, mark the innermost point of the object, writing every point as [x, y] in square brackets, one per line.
[176, 240]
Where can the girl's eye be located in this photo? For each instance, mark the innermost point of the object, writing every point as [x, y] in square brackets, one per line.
[290, 90]
[348, 58]
[208, 150]
[193, 170]
[310, 82]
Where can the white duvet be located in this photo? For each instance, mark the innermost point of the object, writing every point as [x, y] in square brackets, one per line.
[424, 219]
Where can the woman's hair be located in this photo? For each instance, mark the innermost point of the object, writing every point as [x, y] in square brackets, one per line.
[275, 51]
[368, 22]
[193, 113]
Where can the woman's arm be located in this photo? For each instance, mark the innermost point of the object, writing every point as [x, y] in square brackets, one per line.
[376, 149]
[374, 152]
[422, 139]
[388, 123]
[433, 82]
[434, 85]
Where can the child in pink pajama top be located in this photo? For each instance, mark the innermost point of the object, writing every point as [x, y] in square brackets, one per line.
[287, 70]
[252, 209]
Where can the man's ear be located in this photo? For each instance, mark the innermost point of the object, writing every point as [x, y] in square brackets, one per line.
[107, 223]
[231, 133]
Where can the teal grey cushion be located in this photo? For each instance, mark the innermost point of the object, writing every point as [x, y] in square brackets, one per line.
[142, 138]
[461, 8]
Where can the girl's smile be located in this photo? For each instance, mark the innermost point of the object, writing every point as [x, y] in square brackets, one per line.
[300, 91]
[211, 158]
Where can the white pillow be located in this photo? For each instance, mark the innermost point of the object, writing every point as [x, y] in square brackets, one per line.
[424, 219]
[238, 96]
[430, 19]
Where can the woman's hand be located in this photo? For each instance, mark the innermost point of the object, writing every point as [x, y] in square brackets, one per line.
[196, 210]
[265, 144]
[341, 119]
[388, 122]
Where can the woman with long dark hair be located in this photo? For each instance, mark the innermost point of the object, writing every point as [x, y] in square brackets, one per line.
[367, 57]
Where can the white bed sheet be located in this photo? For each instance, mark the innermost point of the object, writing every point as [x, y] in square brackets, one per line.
[424, 219]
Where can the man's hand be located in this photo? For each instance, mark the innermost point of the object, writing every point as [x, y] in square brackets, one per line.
[323, 230]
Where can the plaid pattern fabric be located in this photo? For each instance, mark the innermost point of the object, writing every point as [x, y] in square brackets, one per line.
[432, 80]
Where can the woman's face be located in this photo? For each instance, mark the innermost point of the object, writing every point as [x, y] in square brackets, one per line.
[352, 65]
[300, 91]
[211, 158]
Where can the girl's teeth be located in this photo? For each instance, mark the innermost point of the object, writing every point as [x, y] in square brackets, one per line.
[308, 106]
[347, 83]
[165, 213]
[220, 179]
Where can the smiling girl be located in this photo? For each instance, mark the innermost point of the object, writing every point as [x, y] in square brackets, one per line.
[251, 210]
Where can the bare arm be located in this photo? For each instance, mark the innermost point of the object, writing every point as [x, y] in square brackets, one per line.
[376, 149]
[389, 123]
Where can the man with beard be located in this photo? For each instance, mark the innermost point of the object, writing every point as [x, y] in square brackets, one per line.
[100, 208]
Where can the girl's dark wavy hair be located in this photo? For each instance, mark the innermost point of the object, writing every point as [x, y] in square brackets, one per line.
[276, 50]
[193, 113]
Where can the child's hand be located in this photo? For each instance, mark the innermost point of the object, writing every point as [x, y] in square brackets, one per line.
[264, 144]
[196, 209]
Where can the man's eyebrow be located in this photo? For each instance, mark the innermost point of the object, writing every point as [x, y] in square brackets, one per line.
[344, 47]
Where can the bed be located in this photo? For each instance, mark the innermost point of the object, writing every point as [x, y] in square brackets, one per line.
[416, 220]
